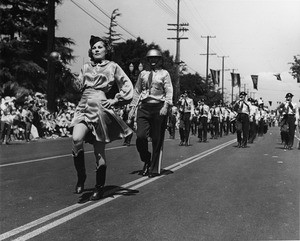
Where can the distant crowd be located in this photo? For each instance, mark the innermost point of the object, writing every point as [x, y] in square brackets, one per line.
[32, 120]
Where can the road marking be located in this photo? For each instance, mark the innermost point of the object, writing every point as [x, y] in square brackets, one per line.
[83, 208]
[54, 157]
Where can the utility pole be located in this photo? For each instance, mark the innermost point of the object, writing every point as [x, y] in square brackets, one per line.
[50, 63]
[207, 57]
[223, 57]
[179, 27]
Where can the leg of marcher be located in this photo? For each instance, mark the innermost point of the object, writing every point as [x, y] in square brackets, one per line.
[158, 131]
[79, 133]
[142, 133]
[99, 151]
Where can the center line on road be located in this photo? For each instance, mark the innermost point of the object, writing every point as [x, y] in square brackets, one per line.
[83, 208]
[53, 157]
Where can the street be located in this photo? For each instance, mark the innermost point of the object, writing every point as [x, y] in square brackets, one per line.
[207, 191]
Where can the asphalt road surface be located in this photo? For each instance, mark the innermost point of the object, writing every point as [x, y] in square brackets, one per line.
[207, 191]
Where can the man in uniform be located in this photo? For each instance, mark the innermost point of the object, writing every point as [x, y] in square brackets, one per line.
[153, 95]
[253, 120]
[262, 118]
[242, 107]
[291, 116]
[222, 118]
[215, 121]
[187, 110]
[204, 118]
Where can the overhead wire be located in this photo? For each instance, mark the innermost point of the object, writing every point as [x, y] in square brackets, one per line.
[89, 14]
[107, 15]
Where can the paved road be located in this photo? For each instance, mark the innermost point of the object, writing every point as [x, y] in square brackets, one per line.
[207, 191]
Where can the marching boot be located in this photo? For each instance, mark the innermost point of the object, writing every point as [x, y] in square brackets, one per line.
[100, 181]
[147, 164]
[145, 170]
[80, 168]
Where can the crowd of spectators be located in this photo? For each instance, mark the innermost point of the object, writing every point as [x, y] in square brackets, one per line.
[30, 119]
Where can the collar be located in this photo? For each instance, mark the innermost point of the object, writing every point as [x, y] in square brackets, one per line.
[103, 63]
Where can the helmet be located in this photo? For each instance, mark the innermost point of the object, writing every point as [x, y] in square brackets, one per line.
[154, 53]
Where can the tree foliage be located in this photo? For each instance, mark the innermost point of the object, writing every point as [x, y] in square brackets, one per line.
[295, 68]
[23, 46]
[113, 36]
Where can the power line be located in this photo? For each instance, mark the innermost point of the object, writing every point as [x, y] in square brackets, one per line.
[107, 15]
[84, 10]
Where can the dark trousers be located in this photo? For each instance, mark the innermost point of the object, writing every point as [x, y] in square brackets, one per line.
[242, 136]
[215, 127]
[227, 126]
[5, 130]
[194, 125]
[261, 124]
[202, 128]
[172, 126]
[252, 131]
[150, 124]
[221, 128]
[184, 130]
[290, 120]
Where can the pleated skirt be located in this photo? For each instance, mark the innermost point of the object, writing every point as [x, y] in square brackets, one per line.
[104, 124]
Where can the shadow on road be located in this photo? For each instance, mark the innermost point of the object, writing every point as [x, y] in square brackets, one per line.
[109, 191]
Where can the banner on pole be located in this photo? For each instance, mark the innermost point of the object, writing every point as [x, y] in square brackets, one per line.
[236, 79]
[215, 75]
[255, 81]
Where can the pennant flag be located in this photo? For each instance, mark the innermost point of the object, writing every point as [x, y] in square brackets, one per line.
[215, 74]
[270, 102]
[277, 76]
[236, 79]
[255, 81]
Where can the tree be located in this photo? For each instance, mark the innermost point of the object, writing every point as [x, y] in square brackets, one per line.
[113, 36]
[295, 68]
[23, 46]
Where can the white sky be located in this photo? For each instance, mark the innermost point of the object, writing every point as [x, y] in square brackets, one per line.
[258, 36]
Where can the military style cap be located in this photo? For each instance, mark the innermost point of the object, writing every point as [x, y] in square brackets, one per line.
[243, 93]
[289, 95]
[94, 39]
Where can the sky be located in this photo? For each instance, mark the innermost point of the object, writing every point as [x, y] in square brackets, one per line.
[257, 37]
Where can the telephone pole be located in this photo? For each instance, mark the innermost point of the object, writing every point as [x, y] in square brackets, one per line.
[223, 57]
[207, 57]
[179, 27]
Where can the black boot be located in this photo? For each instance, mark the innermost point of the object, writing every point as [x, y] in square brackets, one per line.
[80, 168]
[145, 170]
[100, 181]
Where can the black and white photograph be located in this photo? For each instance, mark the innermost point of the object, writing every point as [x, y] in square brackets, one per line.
[150, 120]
